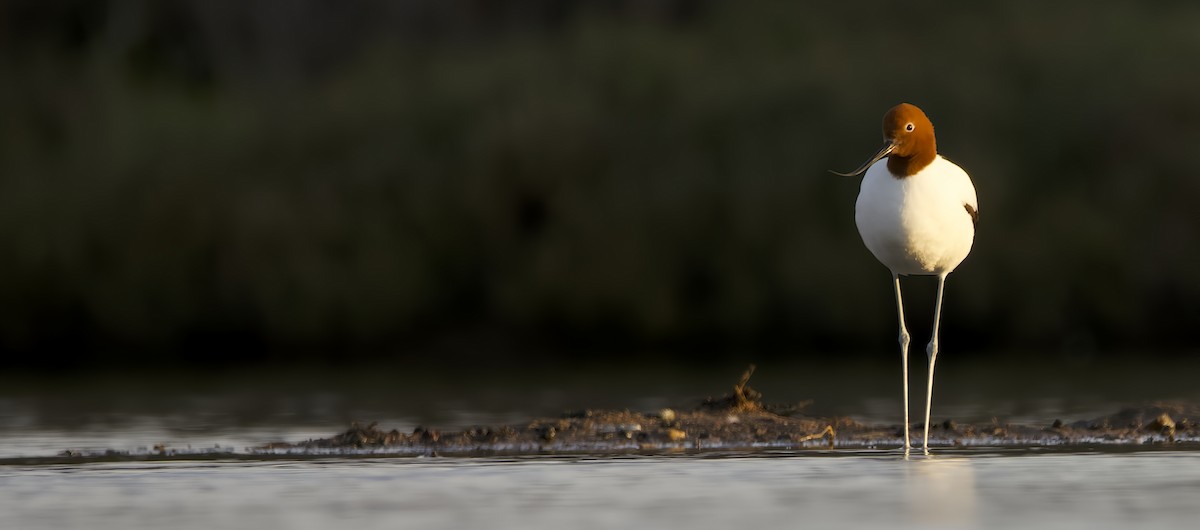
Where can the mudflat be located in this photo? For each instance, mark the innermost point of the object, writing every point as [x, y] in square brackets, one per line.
[741, 420]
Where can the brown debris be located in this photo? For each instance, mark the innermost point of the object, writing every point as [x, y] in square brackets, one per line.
[740, 421]
[746, 399]
[743, 398]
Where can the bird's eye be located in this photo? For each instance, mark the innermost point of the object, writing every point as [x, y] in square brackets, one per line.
[909, 127]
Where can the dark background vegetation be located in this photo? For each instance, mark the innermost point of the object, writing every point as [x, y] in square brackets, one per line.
[189, 180]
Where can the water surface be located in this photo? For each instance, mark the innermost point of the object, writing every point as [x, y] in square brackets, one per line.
[1114, 487]
[966, 489]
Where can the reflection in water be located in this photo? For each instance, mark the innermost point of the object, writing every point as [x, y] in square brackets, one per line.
[941, 490]
[1116, 490]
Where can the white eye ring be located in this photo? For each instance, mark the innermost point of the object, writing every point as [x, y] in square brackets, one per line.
[909, 127]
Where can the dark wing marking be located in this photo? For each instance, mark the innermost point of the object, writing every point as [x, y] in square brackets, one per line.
[972, 212]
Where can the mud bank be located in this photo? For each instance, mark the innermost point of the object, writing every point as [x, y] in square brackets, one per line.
[606, 432]
[741, 421]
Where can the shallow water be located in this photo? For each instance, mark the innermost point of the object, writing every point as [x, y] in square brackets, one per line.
[1116, 487]
[42, 416]
[977, 489]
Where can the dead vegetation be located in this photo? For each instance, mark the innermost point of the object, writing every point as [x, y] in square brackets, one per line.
[741, 420]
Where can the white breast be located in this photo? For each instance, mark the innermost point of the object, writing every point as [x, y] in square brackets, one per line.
[917, 224]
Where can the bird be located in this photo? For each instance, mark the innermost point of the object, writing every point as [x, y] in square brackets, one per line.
[916, 212]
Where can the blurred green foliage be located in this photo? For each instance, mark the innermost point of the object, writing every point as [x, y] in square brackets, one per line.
[283, 176]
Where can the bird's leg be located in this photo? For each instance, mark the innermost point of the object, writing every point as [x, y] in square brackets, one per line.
[932, 351]
[904, 338]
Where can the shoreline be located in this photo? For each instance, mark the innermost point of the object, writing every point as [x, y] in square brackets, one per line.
[739, 422]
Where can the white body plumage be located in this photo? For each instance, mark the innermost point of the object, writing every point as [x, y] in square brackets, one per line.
[918, 224]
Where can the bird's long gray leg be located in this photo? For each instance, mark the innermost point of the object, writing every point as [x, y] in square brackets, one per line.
[904, 338]
[932, 351]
